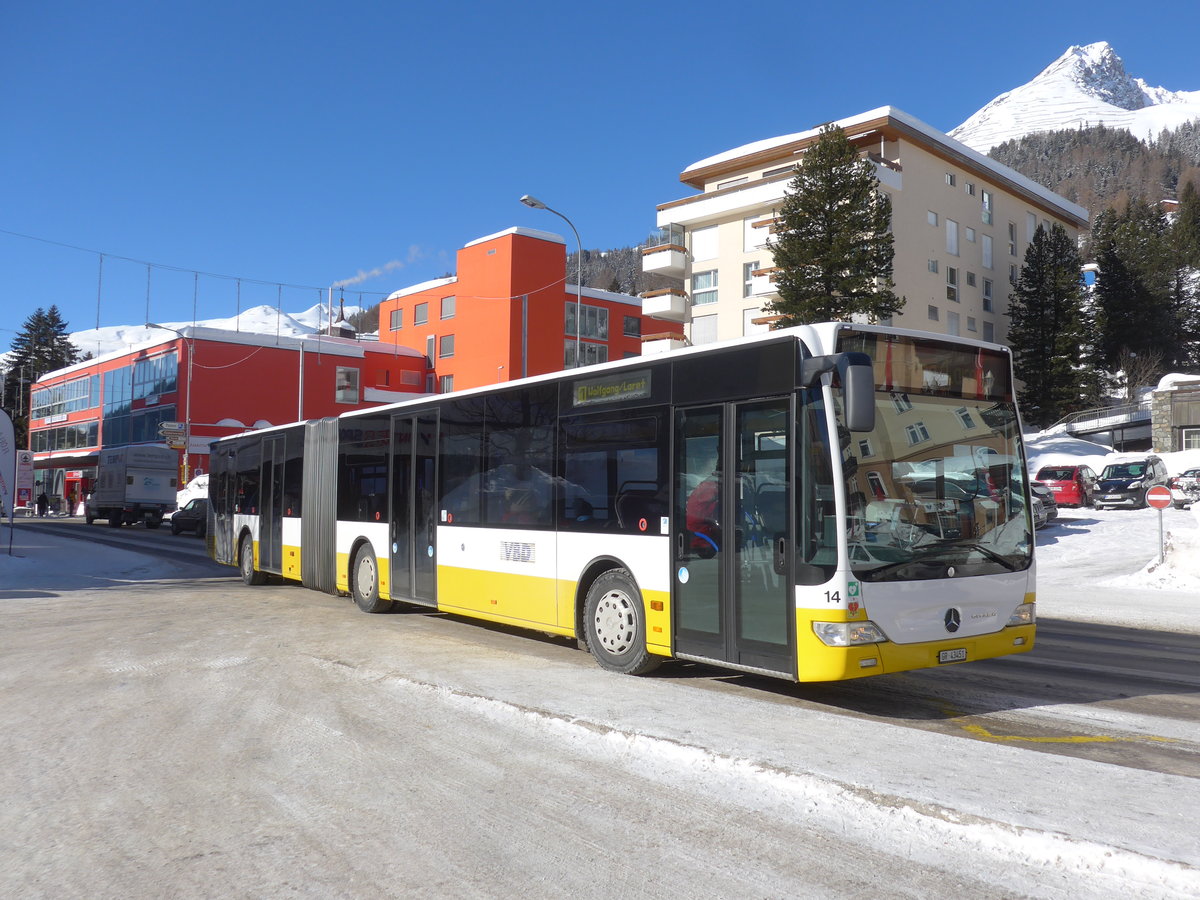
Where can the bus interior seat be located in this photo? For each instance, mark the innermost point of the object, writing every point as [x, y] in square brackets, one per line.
[634, 504]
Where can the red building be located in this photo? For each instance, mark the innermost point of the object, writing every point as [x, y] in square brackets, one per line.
[509, 312]
[212, 382]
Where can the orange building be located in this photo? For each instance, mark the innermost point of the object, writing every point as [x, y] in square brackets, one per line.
[236, 381]
[509, 312]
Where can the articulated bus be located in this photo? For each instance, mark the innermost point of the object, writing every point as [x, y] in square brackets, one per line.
[818, 503]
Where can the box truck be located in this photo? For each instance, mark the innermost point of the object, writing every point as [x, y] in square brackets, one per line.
[134, 484]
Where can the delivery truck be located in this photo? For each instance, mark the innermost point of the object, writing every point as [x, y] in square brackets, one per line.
[134, 484]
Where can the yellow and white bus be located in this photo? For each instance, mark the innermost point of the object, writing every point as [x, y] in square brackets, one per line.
[819, 503]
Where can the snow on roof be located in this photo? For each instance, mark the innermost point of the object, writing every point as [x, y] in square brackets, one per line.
[423, 286]
[525, 232]
[1176, 380]
[928, 131]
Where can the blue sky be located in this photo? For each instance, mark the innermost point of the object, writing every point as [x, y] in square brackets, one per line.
[300, 144]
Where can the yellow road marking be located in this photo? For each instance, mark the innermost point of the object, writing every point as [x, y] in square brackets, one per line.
[981, 732]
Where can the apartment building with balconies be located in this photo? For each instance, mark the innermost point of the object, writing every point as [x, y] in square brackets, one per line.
[961, 224]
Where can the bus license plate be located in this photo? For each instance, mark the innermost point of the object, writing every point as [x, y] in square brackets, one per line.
[946, 656]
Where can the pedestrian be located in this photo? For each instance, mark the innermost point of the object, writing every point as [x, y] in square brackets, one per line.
[43, 503]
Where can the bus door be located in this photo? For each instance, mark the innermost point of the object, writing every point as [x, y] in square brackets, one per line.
[414, 508]
[732, 535]
[270, 518]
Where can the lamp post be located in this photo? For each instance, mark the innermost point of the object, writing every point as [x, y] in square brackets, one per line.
[535, 203]
[187, 414]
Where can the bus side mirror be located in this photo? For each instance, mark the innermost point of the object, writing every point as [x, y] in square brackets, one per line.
[858, 385]
[858, 388]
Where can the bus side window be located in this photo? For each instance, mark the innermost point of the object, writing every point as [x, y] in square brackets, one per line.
[613, 472]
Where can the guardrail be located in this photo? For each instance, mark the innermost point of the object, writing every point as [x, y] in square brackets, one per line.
[1127, 412]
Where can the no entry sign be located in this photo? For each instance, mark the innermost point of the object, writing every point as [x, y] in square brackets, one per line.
[1159, 497]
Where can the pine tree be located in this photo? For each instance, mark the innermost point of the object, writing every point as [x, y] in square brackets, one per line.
[41, 346]
[1049, 333]
[833, 244]
[1185, 289]
[1135, 310]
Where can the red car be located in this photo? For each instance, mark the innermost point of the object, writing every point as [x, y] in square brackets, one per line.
[1071, 485]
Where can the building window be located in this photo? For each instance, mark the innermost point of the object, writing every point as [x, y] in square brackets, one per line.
[704, 243]
[933, 314]
[447, 346]
[1030, 227]
[733, 182]
[446, 384]
[865, 449]
[900, 401]
[970, 279]
[447, 311]
[987, 295]
[989, 331]
[1012, 274]
[748, 324]
[917, 433]
[970, 235]
[704, 330]
[1190, 439]
[878, 489]
[933, 266]
[421, 314]
[748, 270]
[591, 353]
[704, 287]
[986, 213]
[1012, 238]
[970, 188]
[952, 323]
[952, 237]
[964, 416]
[932, 218]
[753, 238]
[950, 179]
[595, 321]
[397, 319]
[952, 284]
[347, 385]
[986, 247]
[632, 326]
[971, 324]
[430, 346]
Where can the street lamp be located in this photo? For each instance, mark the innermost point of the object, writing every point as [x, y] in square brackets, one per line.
[187, 416]
[535, 203]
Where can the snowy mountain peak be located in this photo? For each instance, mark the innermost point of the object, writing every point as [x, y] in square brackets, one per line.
[1086, 86]
[1097, 71]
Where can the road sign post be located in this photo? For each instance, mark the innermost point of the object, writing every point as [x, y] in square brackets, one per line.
[1160, 498]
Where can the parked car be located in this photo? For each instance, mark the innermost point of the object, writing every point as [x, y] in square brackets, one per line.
[1124, 484]
[1041, 517]
[1043, 495]
[193, 517]
[1071, 485]
[1185, 488]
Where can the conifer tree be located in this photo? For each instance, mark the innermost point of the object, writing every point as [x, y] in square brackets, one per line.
[1049, 334]
[1134, 307]
[41, 346]
[833, 244]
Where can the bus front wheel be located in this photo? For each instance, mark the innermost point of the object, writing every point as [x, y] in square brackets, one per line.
[246, 563]
[364, 582]
[615, 624]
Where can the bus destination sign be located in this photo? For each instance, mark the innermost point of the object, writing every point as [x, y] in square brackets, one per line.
[613, 388]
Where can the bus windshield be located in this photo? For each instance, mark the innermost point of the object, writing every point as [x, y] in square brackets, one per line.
[938, 488]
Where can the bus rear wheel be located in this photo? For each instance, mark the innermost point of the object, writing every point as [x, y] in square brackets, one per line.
[364, 582]
[615, 625]
[246, 563]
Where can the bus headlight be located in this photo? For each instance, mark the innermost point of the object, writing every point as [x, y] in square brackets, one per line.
[847, 634]
[1025, 614]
